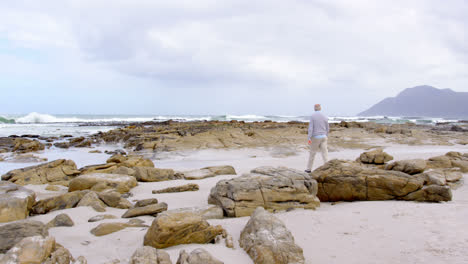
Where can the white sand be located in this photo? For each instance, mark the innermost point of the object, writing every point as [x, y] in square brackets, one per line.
[357, 232]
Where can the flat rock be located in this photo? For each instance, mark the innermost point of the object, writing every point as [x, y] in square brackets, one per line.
[170, 229]
[150, 255]
[57, 170]
[102, 181]
[64, 201]
[191, 187]
[377, 156]
[267, 240]
[413, 166]
[108, 228]
[145, 202]
[152, 209]
[268, 187]
[101, 217]
[206, 212]
[149, 174]
[197, 256]
[15, 202]
[208, 172]
[13, 233]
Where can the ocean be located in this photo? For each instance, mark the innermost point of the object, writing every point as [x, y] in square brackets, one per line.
[83, 125]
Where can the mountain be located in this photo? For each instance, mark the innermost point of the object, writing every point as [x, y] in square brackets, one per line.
[423, 101]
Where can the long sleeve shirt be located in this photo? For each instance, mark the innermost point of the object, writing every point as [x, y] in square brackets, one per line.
[318, 125]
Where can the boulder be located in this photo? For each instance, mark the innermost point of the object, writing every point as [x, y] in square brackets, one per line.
[15, 202]
[267, 240]
[433, 193]
[442, 176]
[101, 217]
[413, 166]
[150, 255]
[268, 187]
[24, 145]
[54, 171]
[13, 233]
[60, 220]
[64, 201]
[108, 228]
[208, 172]
[102, 181]
[52, 188]
[206, 212]
[91, 199]
[439, 162]
[377, 156]
[149, 174]
[340, 180]
[183, 188]
[170, 229]
[152, 209]
[462, 164]
[110, 197]
[197, 256]
[146, 202]
[117, 161]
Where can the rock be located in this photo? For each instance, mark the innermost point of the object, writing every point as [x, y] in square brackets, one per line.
[108, 228]
[272, 188]
[60, 256]
[340, 180]
[148, 174]
[206, 212]
[439, 162]
[53, 188]
[110, 197]
[267, 240]
[229, 241]
[124, 204]
[15, 202]
[170, 229]
[116, 162]
[413, 166]
[101, 217]
[34, 249]
[13, 233]
[60, 220]
[64, 201]
[92, 199]
[152, 209]
[145, 202]
[462, 164]
[101, 181]
[208, 172]
[433, 193]
[27, 158]
[95, 151]
[197, 256]
[57, 170]
[64, 145]
[183, 188]
[23, 145]
[150, 255]
[376, 156]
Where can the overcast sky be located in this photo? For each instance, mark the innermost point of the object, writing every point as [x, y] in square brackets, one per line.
[225, 57]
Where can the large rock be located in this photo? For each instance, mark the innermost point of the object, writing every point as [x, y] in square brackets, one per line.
[19, 145]
[439, 162]
[170, 229]
[108, 228]
[413, 166]
[267, 240]
[150, 255]
[272, 188]
[462, 164]
[197, 256]
[149, 174]
[377, 156]
[64, 201]
[442, 176]
[60, 220]
[91, 199]
[206, 212]
[54, 171]
[340, 180]
[15, 202]
[117, 161]
[208, 172]
[152, 209]
[433, 193]
[13, 233]
[191, 187]
[102, 181]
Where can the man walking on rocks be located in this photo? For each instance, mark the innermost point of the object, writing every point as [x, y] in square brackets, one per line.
[318, 136]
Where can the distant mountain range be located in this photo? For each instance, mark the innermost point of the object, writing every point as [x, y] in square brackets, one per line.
[423, 101]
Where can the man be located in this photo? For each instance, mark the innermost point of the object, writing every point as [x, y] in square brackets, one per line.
[318, 136]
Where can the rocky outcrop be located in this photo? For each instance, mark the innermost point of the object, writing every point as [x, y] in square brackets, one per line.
[267, 240]
[150, 255]
[19, 145]
[102, 181]
[183, 188]
[15, 202]
[206, 212]
[340, 180]
[117, 161]
[54, 171]
[377, 156]
[443, 176]
[170, 229]
[108, 228]
[38, 249]
[64, 201]
[197, 256]
[451, 159]
[13, 233]
[152, 209]
[268, 187]
[208, 172]
[92, 199]
[413, 166]
[60, 220]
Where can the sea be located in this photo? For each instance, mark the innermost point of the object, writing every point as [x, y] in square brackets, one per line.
[82, 125]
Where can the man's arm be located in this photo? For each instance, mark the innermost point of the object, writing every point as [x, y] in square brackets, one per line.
[311, 129]
[328, 127]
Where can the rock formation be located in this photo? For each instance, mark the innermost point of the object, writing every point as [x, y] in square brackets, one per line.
[102, 181]
[197, 256]
[150, 255]
[377, 156]
[13, 233]
[208, 172]
[15, 202]
[151, 209]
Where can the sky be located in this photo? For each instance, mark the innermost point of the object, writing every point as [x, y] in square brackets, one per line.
[269, 57]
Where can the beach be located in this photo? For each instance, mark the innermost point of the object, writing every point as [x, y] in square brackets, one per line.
[336, 232]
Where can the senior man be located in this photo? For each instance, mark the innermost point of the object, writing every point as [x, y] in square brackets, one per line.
[318, 136]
